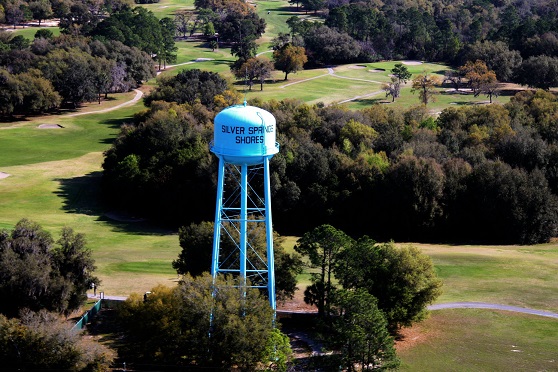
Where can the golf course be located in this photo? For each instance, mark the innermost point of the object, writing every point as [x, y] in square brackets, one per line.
[51, 172]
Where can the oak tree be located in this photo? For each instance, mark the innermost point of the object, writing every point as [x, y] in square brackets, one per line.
[289, 58]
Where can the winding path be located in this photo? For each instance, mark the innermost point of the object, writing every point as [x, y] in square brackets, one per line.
[490, 306]
[331, 72]
[137, 97]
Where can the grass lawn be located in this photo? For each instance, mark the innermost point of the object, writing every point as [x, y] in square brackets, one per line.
[167, 8]
[24, 143]
[524, 276]
[130, 257]
[480, 340]
[29, 32]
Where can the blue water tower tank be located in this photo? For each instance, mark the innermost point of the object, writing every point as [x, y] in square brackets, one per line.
[244, 135]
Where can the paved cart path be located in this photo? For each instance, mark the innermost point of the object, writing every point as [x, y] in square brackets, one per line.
[490, 306]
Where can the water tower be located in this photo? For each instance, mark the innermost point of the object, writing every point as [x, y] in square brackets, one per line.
[244, 142]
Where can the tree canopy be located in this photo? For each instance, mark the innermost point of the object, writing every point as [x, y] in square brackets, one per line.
[403, 280]
[412, 170]
[41, 341]
[35, 274]
[196, 241]
[188, 86]
[199, 324]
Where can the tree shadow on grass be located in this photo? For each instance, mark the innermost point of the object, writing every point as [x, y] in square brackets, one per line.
[82, 195]
[372, 101]
[115, 124]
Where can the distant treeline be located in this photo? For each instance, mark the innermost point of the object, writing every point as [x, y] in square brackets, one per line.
[508, 37]
[479, 173]
[90, 59]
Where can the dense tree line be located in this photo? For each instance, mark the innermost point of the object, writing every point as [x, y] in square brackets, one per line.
[104, 48]
[479, 173]
[510, 38]
[51, 71]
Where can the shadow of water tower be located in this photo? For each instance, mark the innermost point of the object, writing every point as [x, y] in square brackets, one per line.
[244, 142]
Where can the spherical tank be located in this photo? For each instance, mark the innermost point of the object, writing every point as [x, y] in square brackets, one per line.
[244, 135]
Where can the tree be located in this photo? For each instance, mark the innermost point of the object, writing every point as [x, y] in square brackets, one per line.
[257, 68]
[289, 59]
[182, 20]
[44, 33]
[360, 331]
[15, 12]
[480, 78]
[71, 74]
[322, 246]
[188, 86]
[326, 46]
[81, 19]
[167, 49]
[402, 279]
[36, 93]
[538, 72]
[454, 77]
[412, 194]
[201, 324]
[196, 241]
[74, 263]
[497, 56]
[401, 73]
[392, 89]
[313, 5]
[41, 9]
[425, 85]
[509, 205]
[36, 275]
[241, 28]
[41, 341]
[102, 78]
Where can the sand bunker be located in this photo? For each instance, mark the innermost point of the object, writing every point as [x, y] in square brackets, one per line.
[4, 175]
[50, 126]
[412, 63]
[203, 59]
[376, 70]
[357, 66]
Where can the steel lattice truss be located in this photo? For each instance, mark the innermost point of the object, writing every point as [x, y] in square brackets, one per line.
[231, 223]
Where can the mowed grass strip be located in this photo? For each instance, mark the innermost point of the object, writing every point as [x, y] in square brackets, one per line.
[25, 143]
[168, 8]
[480, 340]
[66, 193]
[511, 275]
[29, 32]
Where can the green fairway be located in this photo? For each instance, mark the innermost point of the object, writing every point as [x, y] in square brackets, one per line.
[130, 256]
[26, 143]
[480, 340]
[167, 8]
[511, 275]
[29, 32]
